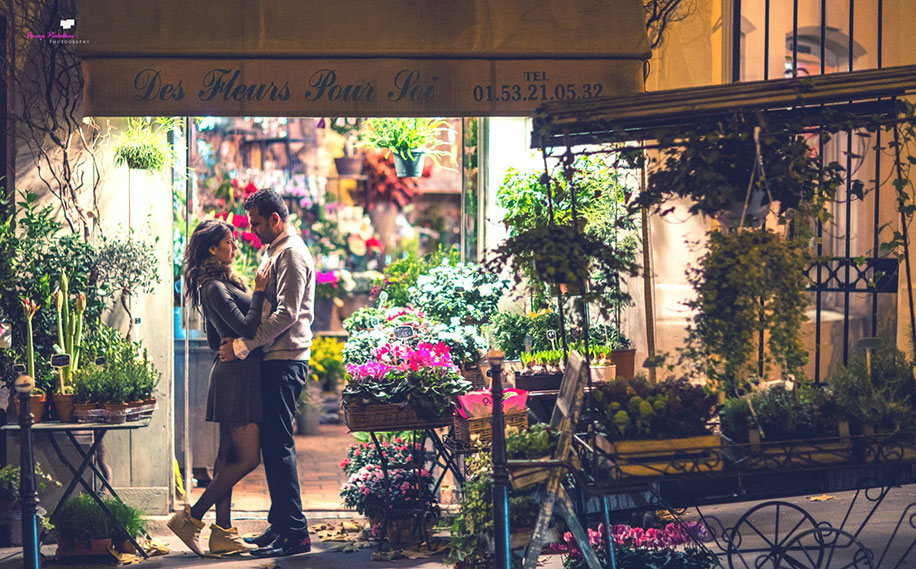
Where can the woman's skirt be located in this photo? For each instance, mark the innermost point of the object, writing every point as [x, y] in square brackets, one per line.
[235, 391]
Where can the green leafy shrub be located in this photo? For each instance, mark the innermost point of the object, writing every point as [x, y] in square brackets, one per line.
[748, 282]
[510, 331]
[402, 274]
[458, 290]
[80, 519]
[129, 517]
[537, 441]
[885, 399]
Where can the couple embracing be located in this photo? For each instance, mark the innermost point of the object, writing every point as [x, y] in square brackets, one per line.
[263, 342]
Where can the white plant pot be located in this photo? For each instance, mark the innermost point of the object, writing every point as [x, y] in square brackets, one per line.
[604, 373]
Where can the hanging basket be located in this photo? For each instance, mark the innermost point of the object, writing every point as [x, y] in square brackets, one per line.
[349, 166]
[409, 168]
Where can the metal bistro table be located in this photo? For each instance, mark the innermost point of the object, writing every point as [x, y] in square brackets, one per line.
[98, 430]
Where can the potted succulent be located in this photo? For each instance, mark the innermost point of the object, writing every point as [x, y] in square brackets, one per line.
[652, 430]
[410, 140]
[83, 529]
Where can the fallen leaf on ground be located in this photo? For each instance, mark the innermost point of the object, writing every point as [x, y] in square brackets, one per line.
[821, 498]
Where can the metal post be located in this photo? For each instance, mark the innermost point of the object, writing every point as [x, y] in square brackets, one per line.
[500, 470]
[27, 494]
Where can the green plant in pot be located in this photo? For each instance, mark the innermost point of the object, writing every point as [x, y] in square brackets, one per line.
[715, 164]
[408, 139]
[132, 524]
[82, 527]
[143, 147]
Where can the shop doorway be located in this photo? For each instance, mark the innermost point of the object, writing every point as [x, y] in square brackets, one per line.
[357, 217]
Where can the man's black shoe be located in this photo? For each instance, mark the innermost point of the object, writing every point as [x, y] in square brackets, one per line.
[285, 546]
[267, 538]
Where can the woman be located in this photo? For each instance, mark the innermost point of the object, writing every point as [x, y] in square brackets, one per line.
[234, 398]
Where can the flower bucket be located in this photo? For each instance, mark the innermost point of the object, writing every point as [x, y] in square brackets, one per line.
[322, 316]
[625, 360]
[409, 168]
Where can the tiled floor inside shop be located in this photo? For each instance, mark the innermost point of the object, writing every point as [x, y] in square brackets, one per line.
[320, 476]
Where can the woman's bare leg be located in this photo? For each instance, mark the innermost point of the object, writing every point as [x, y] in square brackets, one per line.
[241, 457]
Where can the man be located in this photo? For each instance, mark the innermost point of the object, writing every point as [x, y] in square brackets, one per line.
[286, 335]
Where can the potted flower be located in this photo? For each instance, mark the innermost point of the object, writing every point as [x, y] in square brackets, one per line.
[330, 286]
[37, 398]
[652, 430]
[349, 165]
[405, 492]
[410, 140]
[673, 545]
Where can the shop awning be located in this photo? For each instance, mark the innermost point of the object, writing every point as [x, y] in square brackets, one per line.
[356, 57]
[798, 102]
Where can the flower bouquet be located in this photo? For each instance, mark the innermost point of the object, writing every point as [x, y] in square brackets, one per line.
[634, 547]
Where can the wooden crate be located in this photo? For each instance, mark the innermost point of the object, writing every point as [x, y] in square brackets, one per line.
[381, 417]
[661, 457]
[529, 475]
[466, 428]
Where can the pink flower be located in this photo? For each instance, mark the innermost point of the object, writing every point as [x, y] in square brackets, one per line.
[249, 189]
[329, 277]
[240, 221]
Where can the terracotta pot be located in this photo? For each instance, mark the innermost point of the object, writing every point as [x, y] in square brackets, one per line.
[125, 546]
[83, 548]
[36, 406]
[115, 413]
[63, 406]
[625, 360]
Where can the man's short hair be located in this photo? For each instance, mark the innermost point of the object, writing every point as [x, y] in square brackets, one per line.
[267, 201]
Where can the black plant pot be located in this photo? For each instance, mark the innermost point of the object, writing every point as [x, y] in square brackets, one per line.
[409, 168]
[349, 166]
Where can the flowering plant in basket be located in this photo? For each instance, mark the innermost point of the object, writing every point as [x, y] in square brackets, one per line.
[424, 377]
[409, 489]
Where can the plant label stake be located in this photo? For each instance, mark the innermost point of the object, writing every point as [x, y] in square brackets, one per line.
[60, 360]
[552, 336]
[100, 361]
[19, 368]
[382, 298]
[528, 342]
[374, 322]
[404, 332]
[6, 335]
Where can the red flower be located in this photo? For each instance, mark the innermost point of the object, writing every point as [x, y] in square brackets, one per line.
[249, 189]
[240, 221]
[373, 243]
[223, 215]
[251, 239]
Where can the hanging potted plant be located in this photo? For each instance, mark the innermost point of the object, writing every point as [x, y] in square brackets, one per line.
[142, 147]
[741, 166]
[350, 165]
[409, 140]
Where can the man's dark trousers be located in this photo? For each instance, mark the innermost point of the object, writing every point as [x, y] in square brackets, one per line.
[281, 383]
